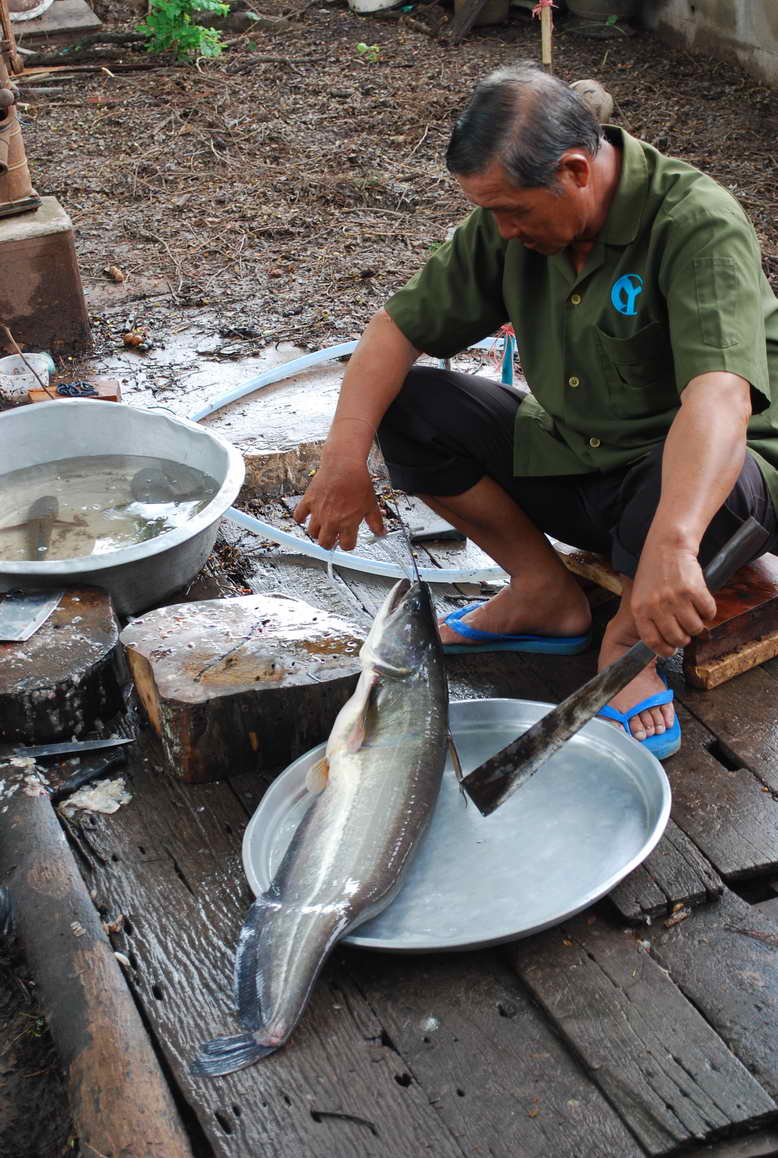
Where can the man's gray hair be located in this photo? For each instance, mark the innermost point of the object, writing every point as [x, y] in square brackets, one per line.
[526, 119]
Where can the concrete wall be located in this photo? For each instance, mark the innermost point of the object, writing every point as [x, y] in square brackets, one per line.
[744, 29]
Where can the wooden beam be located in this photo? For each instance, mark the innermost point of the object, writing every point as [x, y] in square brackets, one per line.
[120, 1101]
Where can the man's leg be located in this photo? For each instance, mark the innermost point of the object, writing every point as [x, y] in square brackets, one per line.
[639, 496]
[448, 438]
[542, 597]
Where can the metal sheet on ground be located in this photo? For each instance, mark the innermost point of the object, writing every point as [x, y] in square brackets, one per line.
[594, 811]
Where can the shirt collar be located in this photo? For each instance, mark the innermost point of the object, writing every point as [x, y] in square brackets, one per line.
[622, 224]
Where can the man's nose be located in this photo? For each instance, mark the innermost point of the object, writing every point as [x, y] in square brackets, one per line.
[506, 226]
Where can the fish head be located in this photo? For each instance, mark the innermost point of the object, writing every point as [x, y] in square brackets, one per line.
[46, 507]
[149, 485]
[404, 633]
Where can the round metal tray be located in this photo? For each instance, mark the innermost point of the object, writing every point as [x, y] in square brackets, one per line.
[584, 821]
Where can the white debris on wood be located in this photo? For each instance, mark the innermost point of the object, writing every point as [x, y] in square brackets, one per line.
[77, 929]
[107, 797]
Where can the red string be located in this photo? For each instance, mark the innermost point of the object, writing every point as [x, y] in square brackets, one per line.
[541, 4]
[496, 354]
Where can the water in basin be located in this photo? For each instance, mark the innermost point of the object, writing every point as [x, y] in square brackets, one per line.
[94, 504]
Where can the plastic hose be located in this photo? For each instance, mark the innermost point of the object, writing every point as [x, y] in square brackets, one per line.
[305, 546]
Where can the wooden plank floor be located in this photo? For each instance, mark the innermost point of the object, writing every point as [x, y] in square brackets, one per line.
[645, 1026]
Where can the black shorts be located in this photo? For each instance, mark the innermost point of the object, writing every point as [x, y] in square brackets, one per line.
[446, 430]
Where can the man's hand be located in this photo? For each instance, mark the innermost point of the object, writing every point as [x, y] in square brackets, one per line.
[339, 497]
[670, 600]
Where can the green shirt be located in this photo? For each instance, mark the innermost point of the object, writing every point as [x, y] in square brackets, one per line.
[672, 288]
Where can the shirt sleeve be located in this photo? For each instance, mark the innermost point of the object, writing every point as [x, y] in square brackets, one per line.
[456, 298]
[714, 292]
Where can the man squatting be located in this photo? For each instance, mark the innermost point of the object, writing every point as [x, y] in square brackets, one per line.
[648, 334]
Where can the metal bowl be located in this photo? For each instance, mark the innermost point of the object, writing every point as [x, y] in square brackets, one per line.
[584, 820]
[139, 576]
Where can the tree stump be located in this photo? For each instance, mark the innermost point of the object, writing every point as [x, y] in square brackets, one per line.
[67, 676]
[244, 684]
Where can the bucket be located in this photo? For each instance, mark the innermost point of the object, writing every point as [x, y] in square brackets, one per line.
[143, 574]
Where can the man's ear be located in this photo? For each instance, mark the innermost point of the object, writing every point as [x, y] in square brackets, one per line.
[576, 166]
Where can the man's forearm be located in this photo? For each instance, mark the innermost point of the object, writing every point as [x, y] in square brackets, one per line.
[702, 459]
[372, 381]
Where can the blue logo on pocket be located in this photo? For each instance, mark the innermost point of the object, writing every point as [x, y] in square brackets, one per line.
[625, 293]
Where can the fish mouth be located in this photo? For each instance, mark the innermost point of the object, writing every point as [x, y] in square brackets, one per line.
[397, 594]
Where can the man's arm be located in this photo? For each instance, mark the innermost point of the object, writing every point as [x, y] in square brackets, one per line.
[341, 493]
[703, 457]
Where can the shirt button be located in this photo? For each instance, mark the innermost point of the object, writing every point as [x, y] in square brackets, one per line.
[573, 381]
[576, 300]
[594, 443]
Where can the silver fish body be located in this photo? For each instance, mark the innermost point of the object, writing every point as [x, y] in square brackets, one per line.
[346, 862]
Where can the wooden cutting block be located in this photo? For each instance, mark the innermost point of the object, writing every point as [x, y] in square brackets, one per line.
[744, 632]
[244, 684]
[65, 677]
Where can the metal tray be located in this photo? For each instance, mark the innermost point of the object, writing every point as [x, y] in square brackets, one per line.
[584, 821]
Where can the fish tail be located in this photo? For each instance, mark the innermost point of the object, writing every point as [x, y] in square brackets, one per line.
[224, 1055]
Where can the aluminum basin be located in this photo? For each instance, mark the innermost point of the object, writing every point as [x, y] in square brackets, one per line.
[142, 575]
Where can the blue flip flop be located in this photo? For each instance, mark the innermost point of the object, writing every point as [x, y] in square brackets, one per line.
[491, 641]
[663, 745]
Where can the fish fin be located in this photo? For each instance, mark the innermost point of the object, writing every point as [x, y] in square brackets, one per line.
[224, 1055]
[358, 731]
[457, 765]
[317, 776]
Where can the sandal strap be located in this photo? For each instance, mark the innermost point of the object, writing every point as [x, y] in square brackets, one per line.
[453, 620]
[624, 718]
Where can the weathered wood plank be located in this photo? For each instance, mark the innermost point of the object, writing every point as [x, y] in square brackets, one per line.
[486, 1058]
[743, 717]
[676, 872]
[656, 1059]
[726, 812]
[769, 908]
[724, 958]
[337, 1088]
[763, 1144]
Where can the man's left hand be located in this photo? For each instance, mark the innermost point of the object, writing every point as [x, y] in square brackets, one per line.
[670, 600]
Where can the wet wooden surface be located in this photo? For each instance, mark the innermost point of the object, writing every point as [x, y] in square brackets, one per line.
[644, 1026]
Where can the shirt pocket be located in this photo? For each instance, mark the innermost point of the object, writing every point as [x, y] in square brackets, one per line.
[639, 371]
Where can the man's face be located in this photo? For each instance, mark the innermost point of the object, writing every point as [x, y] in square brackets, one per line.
[541, 219]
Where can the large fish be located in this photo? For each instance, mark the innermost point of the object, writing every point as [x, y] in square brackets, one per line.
[378, 783]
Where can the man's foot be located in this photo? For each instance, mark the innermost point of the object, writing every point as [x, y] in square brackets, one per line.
[515, 612]
[618, 639]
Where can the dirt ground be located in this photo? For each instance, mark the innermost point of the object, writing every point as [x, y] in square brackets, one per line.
[287, 189]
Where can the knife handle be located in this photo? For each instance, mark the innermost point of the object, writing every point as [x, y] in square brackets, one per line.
[742, 547]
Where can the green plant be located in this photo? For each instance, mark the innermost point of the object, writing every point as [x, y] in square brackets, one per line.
[169, 27]
[369, 52]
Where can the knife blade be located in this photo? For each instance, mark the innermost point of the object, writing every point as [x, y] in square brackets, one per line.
[63, 748]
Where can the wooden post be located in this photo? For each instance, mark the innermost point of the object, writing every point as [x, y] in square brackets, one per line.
[546, 25]
[120, 1101]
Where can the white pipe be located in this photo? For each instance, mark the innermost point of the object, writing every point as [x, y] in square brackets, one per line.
[358, 562]
[296, 366]
[305, 546]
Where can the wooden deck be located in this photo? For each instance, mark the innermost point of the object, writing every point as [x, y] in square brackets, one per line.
[632, 1030]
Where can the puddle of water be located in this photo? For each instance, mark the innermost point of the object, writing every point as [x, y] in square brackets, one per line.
[91, 505]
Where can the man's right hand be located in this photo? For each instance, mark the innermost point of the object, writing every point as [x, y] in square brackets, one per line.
[338, 498]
